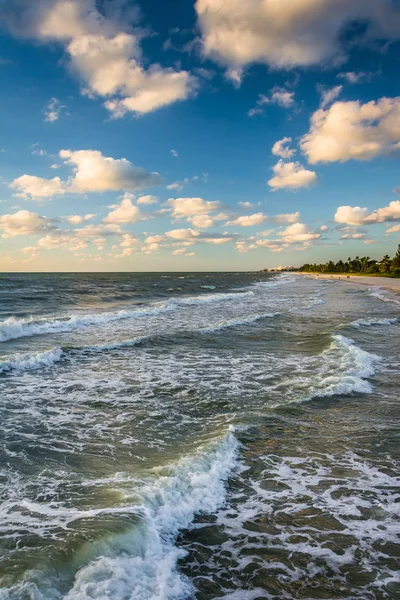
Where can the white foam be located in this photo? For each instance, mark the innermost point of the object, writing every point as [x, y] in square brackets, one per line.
[24, 362]
[376, 292]
[13, 328]
[142, 563]
[236, 322]
[372, 322]
[346, 370]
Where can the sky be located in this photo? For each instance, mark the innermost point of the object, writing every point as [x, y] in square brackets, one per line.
[198, 135]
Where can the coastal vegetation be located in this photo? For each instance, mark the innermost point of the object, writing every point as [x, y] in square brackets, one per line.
[386, 267]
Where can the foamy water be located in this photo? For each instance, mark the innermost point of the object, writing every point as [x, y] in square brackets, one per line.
[198, 436]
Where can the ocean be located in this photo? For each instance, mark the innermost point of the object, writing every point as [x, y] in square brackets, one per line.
[211, 436]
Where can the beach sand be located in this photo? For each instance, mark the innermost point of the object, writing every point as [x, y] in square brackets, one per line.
[386, 283]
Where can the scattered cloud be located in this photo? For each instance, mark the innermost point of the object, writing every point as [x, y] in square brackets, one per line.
[291, 175]
[93, 172]
[281, 148]
[24, 222]
[53, 110]
[328, 95]
[394, 229]
[104, 52]
[174, 153]
[192, 207]
[285, 35]
[31, 187]
[78, 219]
[353, 77]
[277, 95]
[126, 212]
[355, 215]
[298, 233]
[147, 200]
[248, 220]
[182, 252]
[351, 130]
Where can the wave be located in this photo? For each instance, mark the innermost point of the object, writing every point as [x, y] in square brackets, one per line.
[236, 322]
[13, 328]
[372, 322]
[377, 293]
[31, 362]
[142, 562]
[48, 358]
[346, 369]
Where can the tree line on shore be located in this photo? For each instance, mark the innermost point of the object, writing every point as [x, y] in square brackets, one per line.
[365, 265]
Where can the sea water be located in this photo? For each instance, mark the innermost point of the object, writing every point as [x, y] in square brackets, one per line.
[209, 436]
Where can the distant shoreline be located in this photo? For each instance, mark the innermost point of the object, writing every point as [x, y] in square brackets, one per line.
[388, 283]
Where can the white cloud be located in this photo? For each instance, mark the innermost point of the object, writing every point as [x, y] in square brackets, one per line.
[147, 200]
[195, 210]
[247, 204]
[96, 231]
[174, 153]
[182, 252]
[249, 220]
[53, 110]
[128, 240]
[93, 172]
[355, 215]
[104, 52]
[201, 221]
[278, 95]
[126, 212]
[154, 239]
[353, 77]
[291, 175]
[96, 173]
[37, 188]
[78, 219]
[282, 97]
[182, 234]
[329, 95]
[286, 218]
[288, 34]
[298, 233]
[281, 148]
[394, 229]
[24, 222]
[351, 130]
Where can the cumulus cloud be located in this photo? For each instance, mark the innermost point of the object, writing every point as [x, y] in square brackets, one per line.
[125, 212]
[93, 172]
[78, 219]
[103, 51]
[298, 233]
[182, 252]
[291, 175]
[289, 34]
[249, 220]
[24, 222]
[147, 200]
[190, 207]
[183, 234]
[355, 215]
[394, 229]
[281, 148]
[38, 188]
[351, 130]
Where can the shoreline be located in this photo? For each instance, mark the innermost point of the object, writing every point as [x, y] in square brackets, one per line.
[387, 283]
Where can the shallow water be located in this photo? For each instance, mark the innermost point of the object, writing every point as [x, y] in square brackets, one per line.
[198, 436]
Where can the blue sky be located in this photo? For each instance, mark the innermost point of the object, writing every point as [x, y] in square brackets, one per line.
[207, 135]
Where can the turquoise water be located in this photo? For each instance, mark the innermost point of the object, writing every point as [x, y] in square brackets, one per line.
[198, 436]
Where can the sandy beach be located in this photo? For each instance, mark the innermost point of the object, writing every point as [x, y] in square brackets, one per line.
[383, 282]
